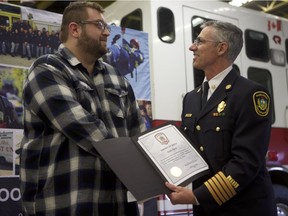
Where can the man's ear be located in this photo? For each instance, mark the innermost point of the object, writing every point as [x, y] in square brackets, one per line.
[222, 48]
[74, 29]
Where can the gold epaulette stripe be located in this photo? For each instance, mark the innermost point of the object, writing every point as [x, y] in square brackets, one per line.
[220, 188]
[213, 193]
[227, 183]
[232, 182]
[227, 188]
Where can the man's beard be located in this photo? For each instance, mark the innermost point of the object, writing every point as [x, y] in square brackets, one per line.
[91, 46]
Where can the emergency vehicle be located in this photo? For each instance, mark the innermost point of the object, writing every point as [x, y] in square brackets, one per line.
[10, 14]
[171, 28]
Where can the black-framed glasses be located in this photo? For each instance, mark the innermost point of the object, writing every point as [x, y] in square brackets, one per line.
[100, 24]
[200, 40]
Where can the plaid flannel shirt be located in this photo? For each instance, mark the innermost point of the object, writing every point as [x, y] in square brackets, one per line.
[66, 113]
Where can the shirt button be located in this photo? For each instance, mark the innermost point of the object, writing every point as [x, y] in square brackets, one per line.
[198, 127]
[201, 148]
[185, 128]
[217, 129]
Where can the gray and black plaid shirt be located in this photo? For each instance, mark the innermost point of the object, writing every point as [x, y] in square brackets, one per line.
[66, 113]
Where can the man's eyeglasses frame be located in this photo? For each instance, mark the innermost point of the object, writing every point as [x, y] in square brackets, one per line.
[200, 40]
[100, 24]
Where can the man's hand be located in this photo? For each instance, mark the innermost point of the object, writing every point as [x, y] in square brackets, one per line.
[181, 195]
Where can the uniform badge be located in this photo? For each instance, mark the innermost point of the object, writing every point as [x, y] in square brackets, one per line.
[261, 102]
[221, 106]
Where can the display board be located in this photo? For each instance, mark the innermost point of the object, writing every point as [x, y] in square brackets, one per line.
[25, 35]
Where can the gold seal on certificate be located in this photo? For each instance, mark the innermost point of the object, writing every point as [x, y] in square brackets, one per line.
[176, 171]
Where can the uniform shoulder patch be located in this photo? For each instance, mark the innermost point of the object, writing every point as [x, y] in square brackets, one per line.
[261, 102]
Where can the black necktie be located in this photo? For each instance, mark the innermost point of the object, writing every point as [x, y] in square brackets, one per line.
[205, 89]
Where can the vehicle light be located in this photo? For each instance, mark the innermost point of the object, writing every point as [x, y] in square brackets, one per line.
[272, 156]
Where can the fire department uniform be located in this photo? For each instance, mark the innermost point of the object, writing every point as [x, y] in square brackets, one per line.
[232, 133]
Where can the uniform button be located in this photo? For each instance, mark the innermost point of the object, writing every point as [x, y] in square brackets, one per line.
[185, 128]
[201, 148]
[217, 129]
[198, 127]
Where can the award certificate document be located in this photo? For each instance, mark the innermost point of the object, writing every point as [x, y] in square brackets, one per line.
[145, 162]
[172, 154]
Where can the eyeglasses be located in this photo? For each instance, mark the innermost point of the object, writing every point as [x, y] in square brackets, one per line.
[101, 25]
[199, 41]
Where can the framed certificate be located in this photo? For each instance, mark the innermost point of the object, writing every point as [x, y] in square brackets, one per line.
[145, 162]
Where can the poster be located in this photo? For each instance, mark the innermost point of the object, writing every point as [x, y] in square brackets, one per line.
[129, 54]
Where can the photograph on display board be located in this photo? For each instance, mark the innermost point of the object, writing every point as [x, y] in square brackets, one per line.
[6, 153]
[11, 118]
[128, 52]
[11, 107]
[9, 151]
[25, 34]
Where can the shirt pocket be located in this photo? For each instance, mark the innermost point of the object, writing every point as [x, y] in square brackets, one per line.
[85, 95]
[117, 100]
[217, 137]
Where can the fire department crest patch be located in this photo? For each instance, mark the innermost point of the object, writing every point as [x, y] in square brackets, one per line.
[261, 102]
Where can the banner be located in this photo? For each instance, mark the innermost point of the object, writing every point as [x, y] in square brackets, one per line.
[129, 54]
[25, 34]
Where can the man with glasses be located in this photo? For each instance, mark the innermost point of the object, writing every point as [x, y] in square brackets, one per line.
[231, 129]
[73, 100]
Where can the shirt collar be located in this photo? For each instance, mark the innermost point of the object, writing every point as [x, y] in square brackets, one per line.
[68, 55]
[215, 81]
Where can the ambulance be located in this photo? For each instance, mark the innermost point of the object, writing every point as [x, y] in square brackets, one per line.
[171, 27]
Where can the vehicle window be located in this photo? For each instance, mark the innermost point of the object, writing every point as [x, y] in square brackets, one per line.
[257, 45]
[277, 57]
[166, 25]
[133, 20]
[15, 20]
[4, 21]
[263, 76]
[10, 8]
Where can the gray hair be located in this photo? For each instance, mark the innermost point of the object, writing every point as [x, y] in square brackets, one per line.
[229, 33]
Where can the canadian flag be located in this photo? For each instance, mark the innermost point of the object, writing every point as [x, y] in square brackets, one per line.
[275, 25]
